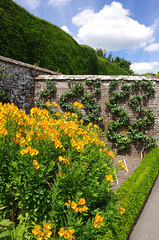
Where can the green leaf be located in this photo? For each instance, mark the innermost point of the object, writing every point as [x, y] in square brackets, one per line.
[1, 208]
[6, 222]
[4, 234]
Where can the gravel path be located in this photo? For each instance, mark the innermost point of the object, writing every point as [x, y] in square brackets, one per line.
[132, 162]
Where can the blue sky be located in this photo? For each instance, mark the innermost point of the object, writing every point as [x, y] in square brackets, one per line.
[127, 28]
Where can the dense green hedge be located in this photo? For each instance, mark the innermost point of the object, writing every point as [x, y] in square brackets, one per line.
[132, 195]
[30, 39]
[105, 67]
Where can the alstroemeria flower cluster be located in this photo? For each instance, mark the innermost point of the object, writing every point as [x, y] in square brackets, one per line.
[98, 221]
[109, 178]
[67, 234]
[76, 206]
[111, 154]
[29, 150]
[39, 125]
[122, 210]
[79, 105]
[62, 174]
[122, 165]
[64, 160]
[36, 165]
[46, 233]
[56, 158]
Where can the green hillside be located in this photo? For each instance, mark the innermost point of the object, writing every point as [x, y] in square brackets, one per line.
[27, 38]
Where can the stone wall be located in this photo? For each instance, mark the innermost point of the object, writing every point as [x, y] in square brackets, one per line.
[132, 157]
[20, 83]
[62, 85]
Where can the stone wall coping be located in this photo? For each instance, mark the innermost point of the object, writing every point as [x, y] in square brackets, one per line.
[19, 63]
[101, 77]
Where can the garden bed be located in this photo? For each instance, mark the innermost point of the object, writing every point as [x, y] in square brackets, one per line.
[56, 179]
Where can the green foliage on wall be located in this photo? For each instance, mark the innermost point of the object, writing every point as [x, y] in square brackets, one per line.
[27, 38]
[136, 95]
[4, 97]
[47, 94]
[49, 91]
[87, 98]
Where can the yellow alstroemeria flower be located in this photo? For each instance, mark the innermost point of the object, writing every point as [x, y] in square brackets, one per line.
[122, 210]
[47, 233]
[122, 165]
[68, 204]
[109, 178]
[98, 221]
[36, 230]
[55, 104]
[47, 104]
[61, 232]
[36, 165]
[47, 225]
[40, 235]
[82, 201]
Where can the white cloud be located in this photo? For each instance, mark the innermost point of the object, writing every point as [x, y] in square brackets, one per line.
[32, 3]
[152, 47]
[65, 28]
[35, 3]
[112, 29]
[58, 2]
[145, 67]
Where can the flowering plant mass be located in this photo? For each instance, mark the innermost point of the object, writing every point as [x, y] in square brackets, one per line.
[53, 170]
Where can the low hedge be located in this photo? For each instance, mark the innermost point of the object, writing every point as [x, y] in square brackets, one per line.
[132, 196]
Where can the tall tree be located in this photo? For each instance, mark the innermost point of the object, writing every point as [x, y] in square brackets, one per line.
[121, 62]
[124, 64]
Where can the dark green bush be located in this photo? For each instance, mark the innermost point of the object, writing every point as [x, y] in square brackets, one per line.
[30, 39]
